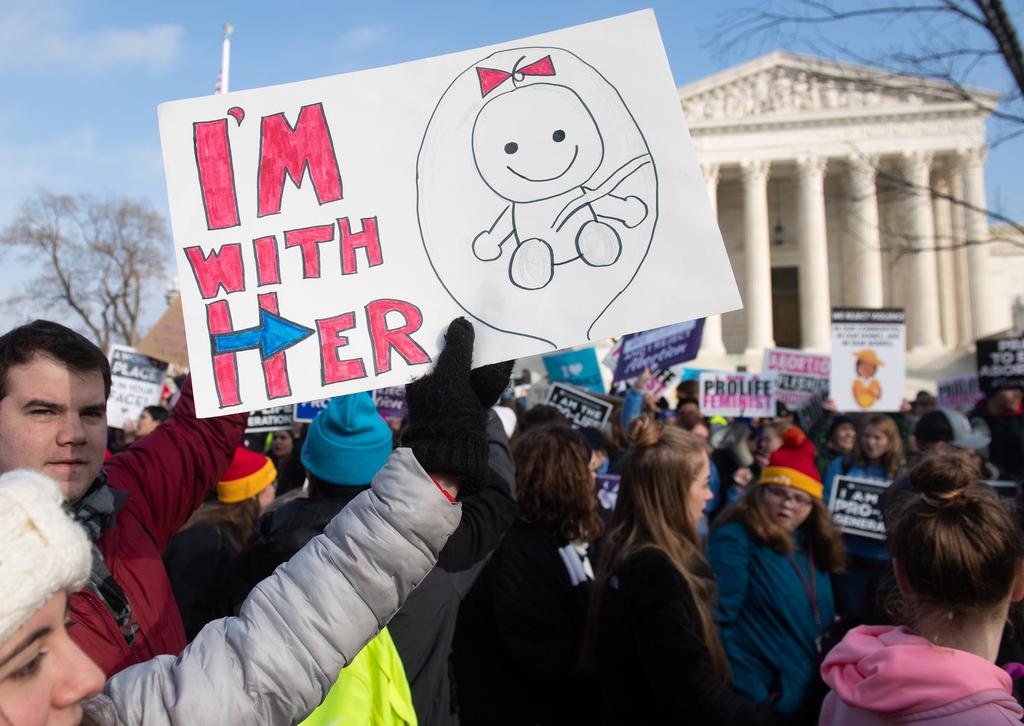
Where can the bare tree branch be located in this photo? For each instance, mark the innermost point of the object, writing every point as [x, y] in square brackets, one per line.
[98, 256]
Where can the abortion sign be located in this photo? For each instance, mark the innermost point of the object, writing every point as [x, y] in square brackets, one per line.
[800, 375]
[737, 394]
[856, 506]
[136, 381]
[1000, 363]
[327, 231]
[582, 410]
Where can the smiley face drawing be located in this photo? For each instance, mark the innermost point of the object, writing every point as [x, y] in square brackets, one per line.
[546, 143]
[553, 149]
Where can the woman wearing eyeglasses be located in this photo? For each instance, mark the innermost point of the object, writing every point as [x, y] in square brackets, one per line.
[772, 554]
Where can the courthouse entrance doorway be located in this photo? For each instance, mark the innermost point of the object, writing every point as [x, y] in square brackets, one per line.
[786, 307]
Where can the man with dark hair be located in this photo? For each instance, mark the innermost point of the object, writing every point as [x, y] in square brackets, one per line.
[54, 385]
[688, 413]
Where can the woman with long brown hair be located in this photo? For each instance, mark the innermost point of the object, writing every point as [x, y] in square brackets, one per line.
[517, 642]
[877, 455]
[652, 640]
[773, 553]
[200, 556]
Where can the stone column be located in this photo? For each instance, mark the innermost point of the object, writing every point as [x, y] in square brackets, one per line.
[923, 331]
[815, 303]
[711, 341]
[757, 254]
[972, 167]
[944, 257]
[866, 246]
[964, 328]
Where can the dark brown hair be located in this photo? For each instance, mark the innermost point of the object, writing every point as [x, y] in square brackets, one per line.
[823, 539]
[237, 521]
[892, 459]
[957, 545]
[651, 513]
[554, 484]
[56, 342]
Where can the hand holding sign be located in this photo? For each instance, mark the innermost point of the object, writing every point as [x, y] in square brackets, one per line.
[447, 422]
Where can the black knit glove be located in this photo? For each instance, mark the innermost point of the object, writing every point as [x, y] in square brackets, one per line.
[447, 429]
[489, 382]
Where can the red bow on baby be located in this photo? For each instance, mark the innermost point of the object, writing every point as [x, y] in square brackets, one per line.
[491, 78]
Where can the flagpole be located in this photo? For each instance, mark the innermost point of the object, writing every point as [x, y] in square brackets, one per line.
[225, 58]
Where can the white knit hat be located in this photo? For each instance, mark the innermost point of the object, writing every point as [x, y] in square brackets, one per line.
[42, 550]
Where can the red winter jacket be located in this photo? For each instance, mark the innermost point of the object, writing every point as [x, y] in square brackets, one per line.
[166, 475]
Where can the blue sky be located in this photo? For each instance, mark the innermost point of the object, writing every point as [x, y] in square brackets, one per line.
[82, 80]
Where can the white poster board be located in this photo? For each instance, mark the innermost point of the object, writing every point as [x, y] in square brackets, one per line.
[738, 394]
[136, 381]
[869, 359]
[327, 231]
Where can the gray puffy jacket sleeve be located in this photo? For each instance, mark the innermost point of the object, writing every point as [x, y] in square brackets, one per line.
[274, 663]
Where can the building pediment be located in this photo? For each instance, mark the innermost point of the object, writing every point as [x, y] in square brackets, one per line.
[780, 86]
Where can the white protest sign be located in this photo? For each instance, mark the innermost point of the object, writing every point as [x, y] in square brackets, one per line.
[856, 506]
[737, 394]
[327, 231]
[801, 376]
[581, 409]
[276, 418]
[136, 381]
[869, 359]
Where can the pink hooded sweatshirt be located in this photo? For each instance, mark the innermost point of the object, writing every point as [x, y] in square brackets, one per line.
[887, 675]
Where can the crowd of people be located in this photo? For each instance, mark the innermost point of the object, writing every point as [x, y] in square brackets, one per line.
[465, 565]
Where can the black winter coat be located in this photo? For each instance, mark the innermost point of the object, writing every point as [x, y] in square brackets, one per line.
[199, 562]
[282, 532]
[423, 629]
[650, 656]
[517, 643]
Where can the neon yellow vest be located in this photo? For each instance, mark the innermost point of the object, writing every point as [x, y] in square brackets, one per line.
[371, 690]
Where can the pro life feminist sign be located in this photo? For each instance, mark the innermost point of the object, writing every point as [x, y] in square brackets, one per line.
[737, 394]
[328, 231]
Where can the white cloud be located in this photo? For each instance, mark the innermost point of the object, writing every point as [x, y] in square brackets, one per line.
[362, 37]
[45, 33]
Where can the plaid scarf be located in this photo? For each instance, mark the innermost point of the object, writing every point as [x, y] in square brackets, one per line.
[97, 512]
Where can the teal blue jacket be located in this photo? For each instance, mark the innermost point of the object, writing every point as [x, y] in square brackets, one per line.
[764, 612]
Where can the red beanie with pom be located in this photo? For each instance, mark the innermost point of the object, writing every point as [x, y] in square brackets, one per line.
[792, 465]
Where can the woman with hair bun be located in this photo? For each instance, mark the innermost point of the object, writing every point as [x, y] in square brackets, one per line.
[652, 640]
[773, 552]
[957, 556]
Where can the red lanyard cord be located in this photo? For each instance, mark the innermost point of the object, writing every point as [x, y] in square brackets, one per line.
[809, 587]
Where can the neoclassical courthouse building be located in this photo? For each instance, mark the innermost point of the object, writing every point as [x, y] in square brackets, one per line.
[832, 184]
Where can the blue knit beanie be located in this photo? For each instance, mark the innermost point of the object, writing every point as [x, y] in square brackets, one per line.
[348, 442]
